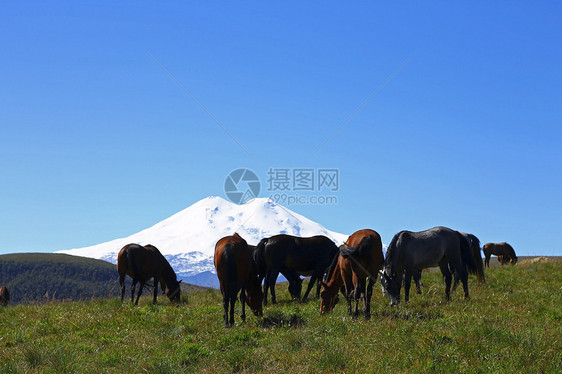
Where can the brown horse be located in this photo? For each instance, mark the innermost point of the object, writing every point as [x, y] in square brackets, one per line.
[499, 249]
[141, 264]
[4, 296]
[358, 260]
[286, 253]
[237, 272]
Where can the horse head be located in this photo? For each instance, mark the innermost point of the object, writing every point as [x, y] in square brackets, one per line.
[295, 288]
[174, 293]
[389, 288]
[328, 300]
[254, 298]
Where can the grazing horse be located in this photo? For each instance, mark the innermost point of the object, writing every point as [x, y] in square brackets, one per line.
[411, 251]
[237, 272]
[141, 264]
[359, 259]
[305, 256]
[499, 249]
[4, 296]
[295, 281]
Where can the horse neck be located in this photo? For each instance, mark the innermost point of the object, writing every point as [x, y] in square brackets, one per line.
[169, 276]
[335, 282]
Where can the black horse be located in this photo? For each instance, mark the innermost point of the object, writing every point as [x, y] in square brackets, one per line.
[285, 254]
[295, 281]
[409, 252]
[474, 244]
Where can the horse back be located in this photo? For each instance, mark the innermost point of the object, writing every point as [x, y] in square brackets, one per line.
[233, 263]
[424, 249]
[303, 255]
[364, 248]
[137, 262]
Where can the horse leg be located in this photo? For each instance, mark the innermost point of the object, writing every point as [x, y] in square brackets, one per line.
[122, 283]
[272, 281]
[232, 302]
[448, 277]
[367, 310]
[407, 284]
[133, 288]
[225, 307]
[456, 276]
[310, 285]
[318, 286]
[155, 291]
[265, 287]
[243, 301]
[356, 296]
[464, 280]
[487, 261]
[139, 293]
[417, 281]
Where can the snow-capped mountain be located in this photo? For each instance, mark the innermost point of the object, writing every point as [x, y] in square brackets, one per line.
[187, 239]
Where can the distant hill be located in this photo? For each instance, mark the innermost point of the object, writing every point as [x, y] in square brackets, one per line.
[42, 277]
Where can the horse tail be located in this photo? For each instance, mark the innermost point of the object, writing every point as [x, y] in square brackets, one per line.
[231, 275]
[475, 249]
[358, 250]
[466, 254]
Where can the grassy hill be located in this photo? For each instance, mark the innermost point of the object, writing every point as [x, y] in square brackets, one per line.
[44, 277]
[511, 324]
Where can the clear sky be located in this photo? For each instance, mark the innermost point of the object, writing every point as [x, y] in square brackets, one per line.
[116, 115]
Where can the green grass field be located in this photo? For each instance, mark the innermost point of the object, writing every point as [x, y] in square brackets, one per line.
[513, 323]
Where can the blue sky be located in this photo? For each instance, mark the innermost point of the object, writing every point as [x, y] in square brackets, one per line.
[103, 131]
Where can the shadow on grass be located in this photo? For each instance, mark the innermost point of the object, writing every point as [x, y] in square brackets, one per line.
[280, 319]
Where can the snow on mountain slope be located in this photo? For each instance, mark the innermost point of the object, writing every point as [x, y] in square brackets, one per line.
[187, 239]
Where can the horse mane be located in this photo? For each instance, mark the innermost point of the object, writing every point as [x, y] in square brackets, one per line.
[331, 268]
[391, 249]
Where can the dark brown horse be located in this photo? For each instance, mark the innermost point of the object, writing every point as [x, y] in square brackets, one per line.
[411, 251]
[142, 264]
[295, 281]
[4, 296]
[499, 249]
[305, 256]
[356, 267]
[237, 272]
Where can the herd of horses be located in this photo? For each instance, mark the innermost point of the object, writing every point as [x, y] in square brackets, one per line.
[351, 269]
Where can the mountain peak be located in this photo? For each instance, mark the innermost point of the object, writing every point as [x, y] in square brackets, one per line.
[192, 233]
